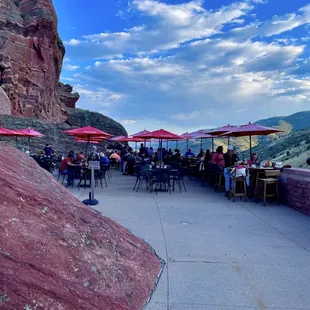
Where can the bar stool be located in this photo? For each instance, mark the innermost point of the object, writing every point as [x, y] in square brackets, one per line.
[236, 179]
[220, 181]
[267, 178]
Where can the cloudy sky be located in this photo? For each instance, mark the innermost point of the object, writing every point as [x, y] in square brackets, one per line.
[184, 65]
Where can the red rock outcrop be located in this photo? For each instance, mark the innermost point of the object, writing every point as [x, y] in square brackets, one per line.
[31, 55]
[56, 253]
[5, 106]
[66, 96]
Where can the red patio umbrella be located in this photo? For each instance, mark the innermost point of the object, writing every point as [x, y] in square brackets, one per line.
[220, 131]
[201, 135]
[10, 133]
[251, 130]
[88, 133]
[117, 138]
[130, 139]
[19, 133]
[161, 135]
[31, 133]
[138, 134]
[187, 136]
[86, 141]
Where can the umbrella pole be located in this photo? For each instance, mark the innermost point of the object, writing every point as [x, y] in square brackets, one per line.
[16, 140]
[212, 144]
[176, 144]
[187, 145]
[167, 145]
[161, 152]
[200, 143]
[29, 143]
[250, 145]
[228, 140]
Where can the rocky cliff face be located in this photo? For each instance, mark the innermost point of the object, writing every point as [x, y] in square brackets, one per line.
[54, 135]
[31, 55]
[57, 253]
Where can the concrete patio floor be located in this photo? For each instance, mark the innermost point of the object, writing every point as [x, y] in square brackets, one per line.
[218, 254]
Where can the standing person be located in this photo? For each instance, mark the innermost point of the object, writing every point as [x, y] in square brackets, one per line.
[230, 159]
[48, 150]
[143, 152]
[124, 154]
[218, 157]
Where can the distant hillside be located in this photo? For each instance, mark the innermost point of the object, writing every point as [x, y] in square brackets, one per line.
[292, 149]
[297, 121]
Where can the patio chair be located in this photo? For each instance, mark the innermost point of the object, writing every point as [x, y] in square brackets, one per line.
[107, 168]
[74, 172]
[161, 179]
[101, 175]
[62, 173]
[143, 173]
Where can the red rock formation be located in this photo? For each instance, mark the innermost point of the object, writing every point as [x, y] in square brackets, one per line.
[5, 106]
[56, 253]
[66, 96]
[31, 55]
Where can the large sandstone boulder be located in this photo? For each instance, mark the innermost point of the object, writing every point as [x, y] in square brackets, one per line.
[5, 106]
[31, 55]
[56, 253]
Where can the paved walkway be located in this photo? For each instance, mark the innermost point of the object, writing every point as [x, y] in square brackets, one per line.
[219, 254]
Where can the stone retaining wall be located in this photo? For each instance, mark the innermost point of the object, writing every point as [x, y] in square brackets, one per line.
[295, 189]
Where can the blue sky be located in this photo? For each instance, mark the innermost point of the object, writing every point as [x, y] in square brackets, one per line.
[184, 65]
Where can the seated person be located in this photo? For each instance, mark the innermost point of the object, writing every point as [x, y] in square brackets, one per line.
[189, 153]
[170, 153]
[68, 161]
[201, 153]
[254, 159]
[115, 156]
[103, 159]
[131, 161]
[177, 154]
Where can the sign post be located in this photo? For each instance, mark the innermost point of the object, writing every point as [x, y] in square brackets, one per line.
[93, 165]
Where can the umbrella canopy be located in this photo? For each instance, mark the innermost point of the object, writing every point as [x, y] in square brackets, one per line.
[117, 138]
[86, 141]
[32, 133]
[20, 133]
[130, 139]
[7, 132]
[251, 130]
[221, 130]
[87, 131]
[143, 132]
[161, 134]
[188, 136]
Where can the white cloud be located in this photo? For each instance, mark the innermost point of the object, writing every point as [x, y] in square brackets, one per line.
[129, 122]
[71, 67]
[199, 72]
